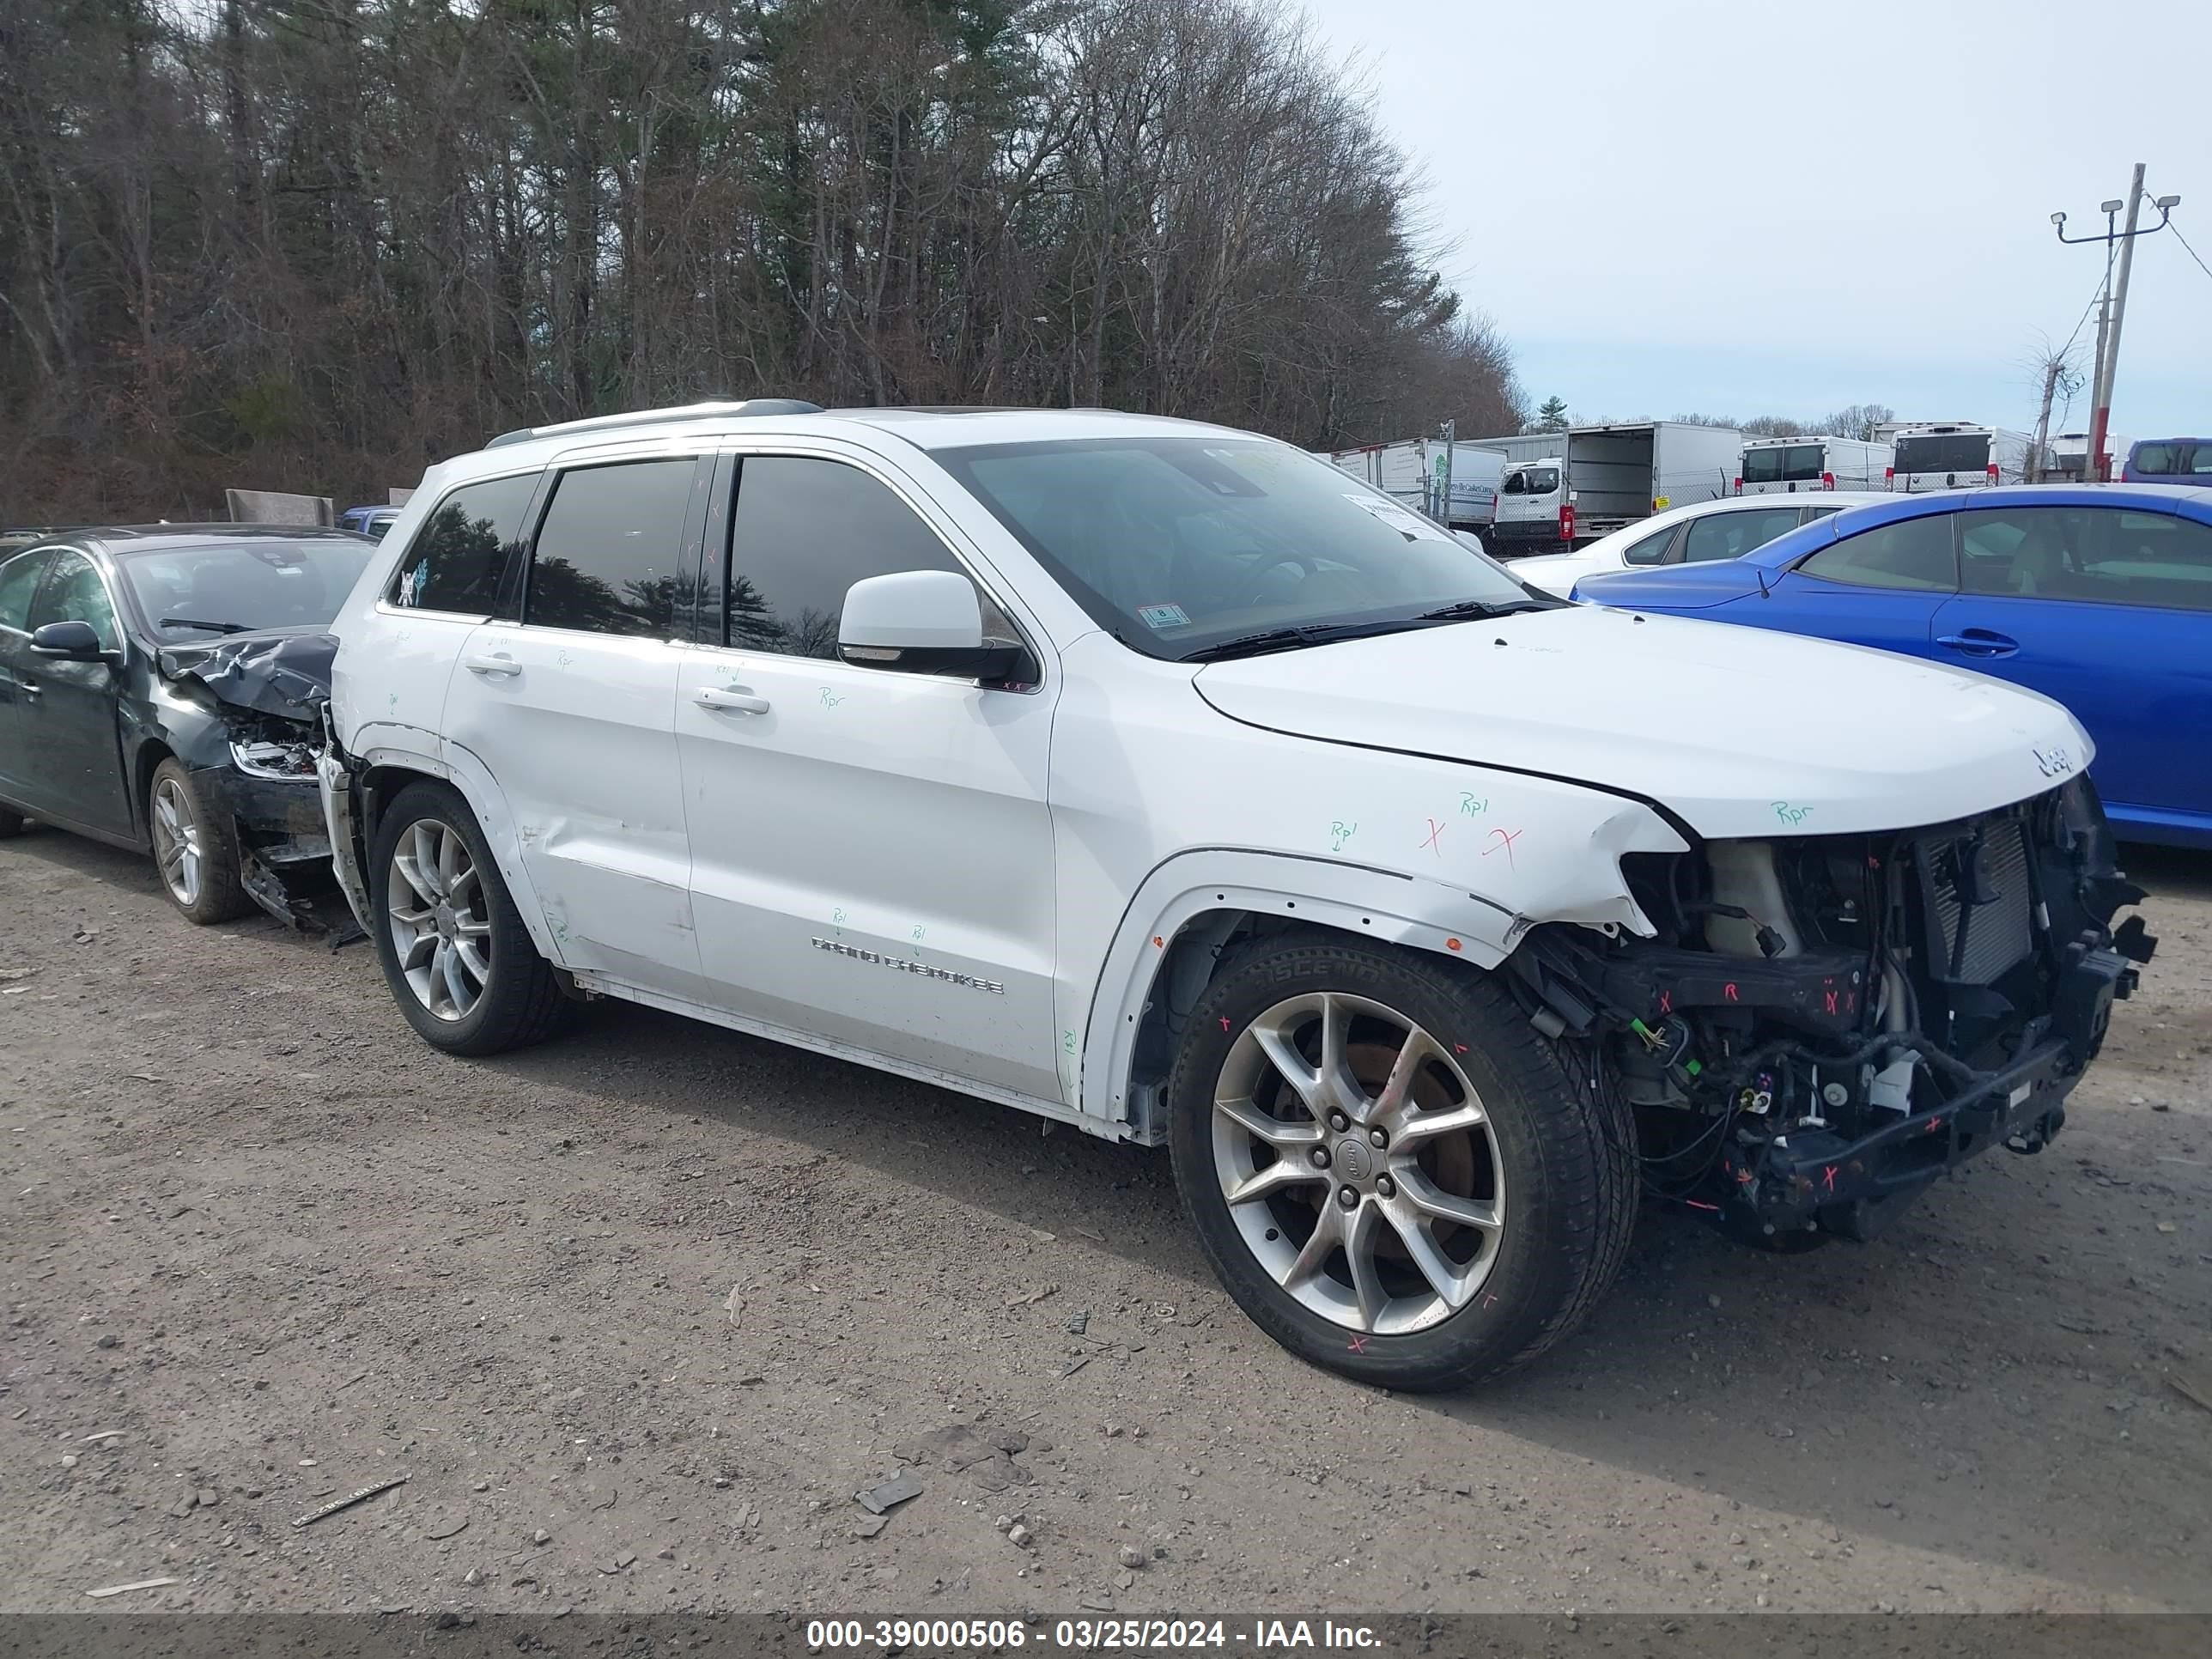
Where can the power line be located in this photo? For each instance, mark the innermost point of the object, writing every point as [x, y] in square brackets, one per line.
[2183, 240]
[2095, 293]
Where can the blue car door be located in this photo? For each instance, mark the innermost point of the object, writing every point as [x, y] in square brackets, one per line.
[2108, 610]
[1880, 587]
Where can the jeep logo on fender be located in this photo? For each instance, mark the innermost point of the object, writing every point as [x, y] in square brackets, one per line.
[906, 965]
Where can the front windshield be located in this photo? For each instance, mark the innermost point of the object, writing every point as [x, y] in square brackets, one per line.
[1177, 545]
[207, 590]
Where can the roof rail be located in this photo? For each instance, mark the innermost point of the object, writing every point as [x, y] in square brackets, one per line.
[655, 416]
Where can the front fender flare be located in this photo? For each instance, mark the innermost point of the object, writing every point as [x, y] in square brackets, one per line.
[1354, 898]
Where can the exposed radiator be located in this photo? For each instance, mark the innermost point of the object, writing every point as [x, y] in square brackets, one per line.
[1978, 882]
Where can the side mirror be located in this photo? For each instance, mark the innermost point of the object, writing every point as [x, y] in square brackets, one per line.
[922, 622]
[72, 641]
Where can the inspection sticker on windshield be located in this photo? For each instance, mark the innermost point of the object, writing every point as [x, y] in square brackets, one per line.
[1162, 616]
[1405, 523]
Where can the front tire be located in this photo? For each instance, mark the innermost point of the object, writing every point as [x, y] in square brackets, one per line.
[11, 823]
[195, 849]
[1387, 1165]
[461, 965]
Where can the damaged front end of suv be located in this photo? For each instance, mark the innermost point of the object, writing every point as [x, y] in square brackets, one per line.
[1821, 1025]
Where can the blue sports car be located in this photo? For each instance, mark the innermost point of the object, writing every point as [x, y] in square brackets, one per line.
[2100, 597]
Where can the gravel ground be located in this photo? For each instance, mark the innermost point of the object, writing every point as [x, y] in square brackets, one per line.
[637, 1313]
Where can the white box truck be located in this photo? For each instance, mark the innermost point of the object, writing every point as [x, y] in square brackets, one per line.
[1417, 472]
[1590, 481]
[1784, 466]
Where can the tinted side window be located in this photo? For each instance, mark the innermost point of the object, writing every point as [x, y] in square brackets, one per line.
[2088, 554]
[610, 555]
[1732, 535]
[1651, 550]
[461, 553]
[804, 532]
[1912, 553]
[74, 592]
[19, 580]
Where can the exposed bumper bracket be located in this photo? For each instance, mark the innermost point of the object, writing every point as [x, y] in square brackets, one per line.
[1799, 1179]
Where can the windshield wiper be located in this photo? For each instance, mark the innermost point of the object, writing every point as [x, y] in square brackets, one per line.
[1286, 639]
[212, 627]
[1460, 609]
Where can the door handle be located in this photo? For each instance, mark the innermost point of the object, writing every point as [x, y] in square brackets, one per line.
[734, 701]
[501, 664]
[1979, 642]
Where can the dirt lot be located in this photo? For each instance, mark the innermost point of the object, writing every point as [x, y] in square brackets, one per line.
[637, 1313]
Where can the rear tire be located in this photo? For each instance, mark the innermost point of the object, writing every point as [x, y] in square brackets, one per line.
[461, 966]
[1527, 1210]
[11, 823]
[195, 849]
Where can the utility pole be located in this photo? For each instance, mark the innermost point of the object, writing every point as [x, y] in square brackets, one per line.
[2101, 422]
[2092, 466]
[2037, 465]
[2114, 304]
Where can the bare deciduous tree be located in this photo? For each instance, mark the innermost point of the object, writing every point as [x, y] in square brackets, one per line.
[311, 244]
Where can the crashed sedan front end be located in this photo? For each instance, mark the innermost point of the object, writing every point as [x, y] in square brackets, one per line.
[1821, 1025]
[253, 755]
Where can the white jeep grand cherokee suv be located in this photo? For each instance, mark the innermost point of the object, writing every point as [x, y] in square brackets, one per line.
[1158, 779]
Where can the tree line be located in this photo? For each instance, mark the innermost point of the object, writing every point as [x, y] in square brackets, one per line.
[1855, 421]
[312, 245]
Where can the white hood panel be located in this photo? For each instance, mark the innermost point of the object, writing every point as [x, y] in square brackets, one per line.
[1740, 732]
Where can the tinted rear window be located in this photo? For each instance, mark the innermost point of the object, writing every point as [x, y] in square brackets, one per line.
[1911, 553]
[610, 555]
[1732, 535]
[461, 553]
[1944, 452]
[1785, 463]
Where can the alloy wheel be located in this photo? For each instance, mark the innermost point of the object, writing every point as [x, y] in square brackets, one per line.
[440, 929]
[1359, 1163]
[177, 850]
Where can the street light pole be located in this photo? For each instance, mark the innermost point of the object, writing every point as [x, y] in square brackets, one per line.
[2113, 303]
[2101, 420]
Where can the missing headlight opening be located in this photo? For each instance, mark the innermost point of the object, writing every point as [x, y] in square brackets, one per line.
[261, 758]
[1822, 1024]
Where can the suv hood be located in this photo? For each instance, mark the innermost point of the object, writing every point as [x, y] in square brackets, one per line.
[1737, 731]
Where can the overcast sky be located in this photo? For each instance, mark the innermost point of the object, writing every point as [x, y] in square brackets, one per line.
[1782, 208]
